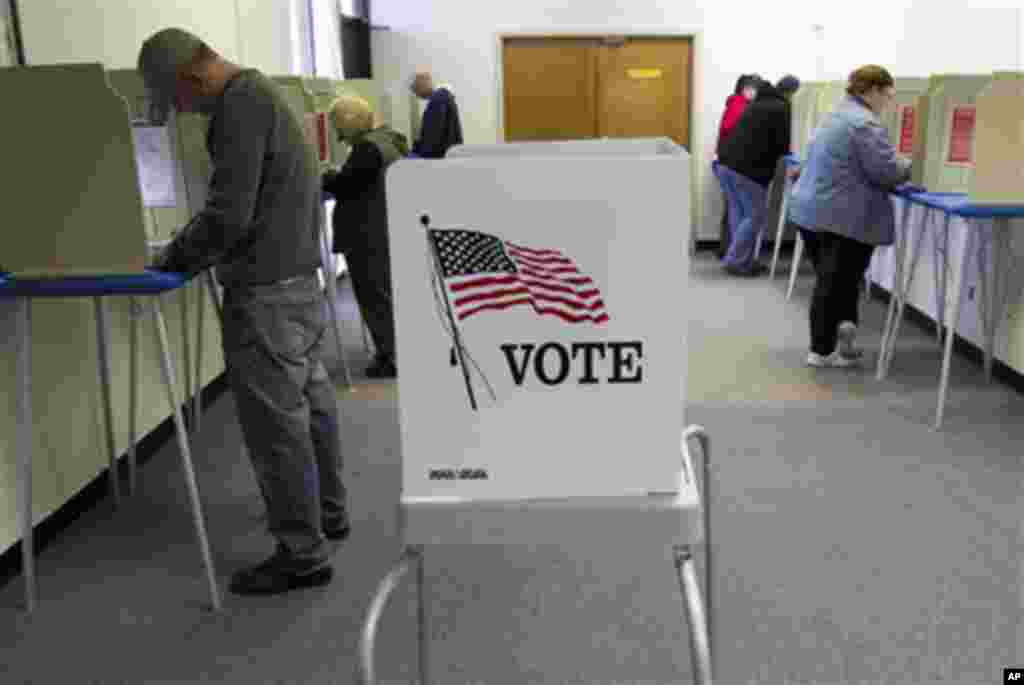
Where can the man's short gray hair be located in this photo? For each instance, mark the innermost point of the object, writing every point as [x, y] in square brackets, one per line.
[162, 55]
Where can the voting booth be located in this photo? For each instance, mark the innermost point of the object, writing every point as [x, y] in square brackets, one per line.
[81, 234]
[586, 147]
[595, 146]
[944, 128]
[93, 175]
[900, 118]
[998, 176]
[159, 159]
[527, 325]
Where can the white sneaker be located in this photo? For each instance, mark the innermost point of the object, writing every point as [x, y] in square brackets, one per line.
[847, 334]
[832, 361]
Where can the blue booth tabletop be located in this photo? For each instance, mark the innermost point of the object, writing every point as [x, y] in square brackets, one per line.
[152, 282]
[957, 204]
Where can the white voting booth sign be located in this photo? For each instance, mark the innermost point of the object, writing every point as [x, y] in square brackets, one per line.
[541, 331]
[556, 282]
[597, 146]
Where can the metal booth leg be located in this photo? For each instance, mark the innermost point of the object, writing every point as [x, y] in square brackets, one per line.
[331, 281]
[899, 262]
[941, 251]
[783, 209]
[186, 455]
[103, 351]
[701, 435]
[26, 441]
[954, 316]
[916, 248]
[133, 392]
[186, 347]
[411, 555]
[694, 609]
[794, 268]
[197, 399]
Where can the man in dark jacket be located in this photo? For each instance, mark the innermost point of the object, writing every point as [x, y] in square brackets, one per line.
[441, 127]
[361, 220]
[748, 160]
[259, 228]
[744, 93]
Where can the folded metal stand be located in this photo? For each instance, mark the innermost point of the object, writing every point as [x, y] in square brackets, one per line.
[698, 615]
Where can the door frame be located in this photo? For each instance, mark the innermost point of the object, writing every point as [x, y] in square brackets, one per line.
[695, 35]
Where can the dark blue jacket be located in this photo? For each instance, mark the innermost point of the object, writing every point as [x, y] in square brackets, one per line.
[441, 127]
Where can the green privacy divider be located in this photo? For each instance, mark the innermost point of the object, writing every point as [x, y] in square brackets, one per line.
[900, 117]
[938, 164]
[161, 222]
[803, 109]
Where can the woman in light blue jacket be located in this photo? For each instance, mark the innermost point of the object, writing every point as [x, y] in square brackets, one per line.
[843, 196]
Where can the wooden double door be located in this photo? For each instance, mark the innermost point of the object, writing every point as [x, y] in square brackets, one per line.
[578, 88]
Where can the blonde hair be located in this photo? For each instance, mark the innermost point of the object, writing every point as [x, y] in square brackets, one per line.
[352, 114]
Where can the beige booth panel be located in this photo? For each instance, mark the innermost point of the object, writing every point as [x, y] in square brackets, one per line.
[804, 109]
[811, 105]
[829, 95]
[900, 118]
[998, 176]
[161, 222]
[944, 133]
[70, 442]
[74, 192]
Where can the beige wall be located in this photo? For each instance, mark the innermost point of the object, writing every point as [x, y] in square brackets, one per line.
[459, 40]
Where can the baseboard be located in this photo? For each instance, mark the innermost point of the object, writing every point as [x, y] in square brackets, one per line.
[98, 489]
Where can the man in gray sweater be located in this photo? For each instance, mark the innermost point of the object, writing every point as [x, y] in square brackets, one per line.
[259, 229]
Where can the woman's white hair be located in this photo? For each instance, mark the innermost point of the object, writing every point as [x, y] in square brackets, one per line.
[353, 114]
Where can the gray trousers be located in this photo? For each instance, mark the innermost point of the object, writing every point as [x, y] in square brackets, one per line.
[287, 408]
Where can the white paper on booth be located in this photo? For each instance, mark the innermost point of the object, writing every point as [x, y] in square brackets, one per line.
[156, 166]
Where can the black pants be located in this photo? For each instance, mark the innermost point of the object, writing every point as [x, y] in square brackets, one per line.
[841, 265]
[811, 249]
[371, 284]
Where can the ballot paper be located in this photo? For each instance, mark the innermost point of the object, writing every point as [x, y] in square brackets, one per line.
[156, 166]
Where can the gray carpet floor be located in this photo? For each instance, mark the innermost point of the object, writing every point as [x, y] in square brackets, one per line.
[854, 544]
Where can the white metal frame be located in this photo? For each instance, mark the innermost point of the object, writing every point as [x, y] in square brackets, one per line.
[26, 433]
[699, 614]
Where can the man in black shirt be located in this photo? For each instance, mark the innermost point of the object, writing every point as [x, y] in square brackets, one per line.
[748, 160]
[441, 128]
[259, 228]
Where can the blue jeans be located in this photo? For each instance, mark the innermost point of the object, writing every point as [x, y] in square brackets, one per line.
[748, 210]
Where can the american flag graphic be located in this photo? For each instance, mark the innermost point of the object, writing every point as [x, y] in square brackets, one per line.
[484, 273]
